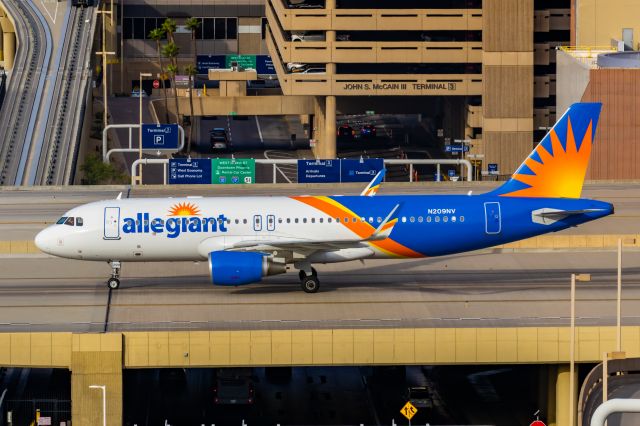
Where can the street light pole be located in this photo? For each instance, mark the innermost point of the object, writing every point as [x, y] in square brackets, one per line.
[142, 74]
[572, 345]
[104, 54]
[104, 401]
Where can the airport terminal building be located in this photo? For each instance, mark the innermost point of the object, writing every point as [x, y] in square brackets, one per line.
[483, 71]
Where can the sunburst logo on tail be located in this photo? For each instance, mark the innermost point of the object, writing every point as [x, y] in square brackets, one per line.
[559, 172]
[184, 209]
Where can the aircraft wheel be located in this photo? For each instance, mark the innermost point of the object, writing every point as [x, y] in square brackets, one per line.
[311, 284]
[113, 283]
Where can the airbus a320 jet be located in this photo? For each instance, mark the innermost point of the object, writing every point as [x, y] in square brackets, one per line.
[247, 238]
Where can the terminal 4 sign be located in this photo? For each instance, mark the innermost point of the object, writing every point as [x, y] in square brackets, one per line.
[221, 171]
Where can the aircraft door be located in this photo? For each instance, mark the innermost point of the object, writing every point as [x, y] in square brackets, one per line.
[112, 223]
[493, 218]
[271, 222]
[257, 223]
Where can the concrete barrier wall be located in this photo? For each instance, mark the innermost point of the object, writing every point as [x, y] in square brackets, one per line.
[444, 346]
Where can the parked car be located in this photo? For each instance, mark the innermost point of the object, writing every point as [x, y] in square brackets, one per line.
[314, 70]
[233, 386]
[295, 67]
[346, 132]
[305, 4]
[420, 396]
[218, 139]
[368, 131]
[307, 36]
[81, 3]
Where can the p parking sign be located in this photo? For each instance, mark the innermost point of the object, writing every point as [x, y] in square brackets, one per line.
[160, 136]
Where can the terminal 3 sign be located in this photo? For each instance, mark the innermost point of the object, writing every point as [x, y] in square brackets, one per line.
[400, 86]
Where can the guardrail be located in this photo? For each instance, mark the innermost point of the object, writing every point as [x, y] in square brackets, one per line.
[276, 162]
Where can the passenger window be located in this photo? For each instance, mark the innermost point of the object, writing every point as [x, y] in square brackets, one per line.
[461, 218]
[437, 218]
[296, 220]
[428, 218]
[404, 219]
[412, 219]
[445, 219]
[453, 218]
[346, 219]
[79, 221]
[304, 220]
[329, 220]
[420, 219]
[279, 220]
[321, 220]
[244, 221]
[61, 220]
[237, 221]
[288, 220]
[70, 221]
[313, 220]
[379, 220]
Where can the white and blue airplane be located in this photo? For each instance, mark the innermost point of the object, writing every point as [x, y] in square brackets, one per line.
[247, 238]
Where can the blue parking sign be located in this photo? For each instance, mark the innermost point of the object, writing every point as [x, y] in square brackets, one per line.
[160, 137]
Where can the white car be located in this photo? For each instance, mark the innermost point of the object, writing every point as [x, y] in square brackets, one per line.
[307, 36]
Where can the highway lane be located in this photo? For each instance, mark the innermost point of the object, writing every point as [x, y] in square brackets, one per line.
[470, 290]
[24, 212]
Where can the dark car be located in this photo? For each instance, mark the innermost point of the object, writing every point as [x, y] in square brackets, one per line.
[233, 386]
[420, 396]
[368, 131]
[346, 132]
[305, 4]
[82, 3]
[218, 139]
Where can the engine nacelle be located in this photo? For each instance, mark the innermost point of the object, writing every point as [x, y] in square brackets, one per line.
[238, 268]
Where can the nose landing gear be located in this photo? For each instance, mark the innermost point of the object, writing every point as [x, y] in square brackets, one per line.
[114, 282]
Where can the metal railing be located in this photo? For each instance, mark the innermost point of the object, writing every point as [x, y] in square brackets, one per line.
[276, 162]
[106, 154]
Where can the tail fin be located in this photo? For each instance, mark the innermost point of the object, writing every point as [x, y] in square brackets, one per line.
[558, 164]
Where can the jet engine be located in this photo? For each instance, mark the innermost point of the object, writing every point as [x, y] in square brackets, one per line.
[238, 268]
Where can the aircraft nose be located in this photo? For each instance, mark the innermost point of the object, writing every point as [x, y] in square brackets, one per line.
[45, 240]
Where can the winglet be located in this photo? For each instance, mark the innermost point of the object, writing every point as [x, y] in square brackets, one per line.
[384, 229]
[374, 185]
[119, 197]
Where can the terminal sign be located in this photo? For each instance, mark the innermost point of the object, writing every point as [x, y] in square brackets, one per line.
[440, 86]
[360, 170]
[189, 171]
[160, 136]
[318, 171]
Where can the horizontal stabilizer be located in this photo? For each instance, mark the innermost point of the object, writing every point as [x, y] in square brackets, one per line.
[547, 216]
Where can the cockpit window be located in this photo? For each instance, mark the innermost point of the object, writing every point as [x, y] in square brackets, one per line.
[61, 220]
[79, 221]
[70, 221]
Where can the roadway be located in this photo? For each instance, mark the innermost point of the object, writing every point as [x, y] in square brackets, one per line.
[38, 292]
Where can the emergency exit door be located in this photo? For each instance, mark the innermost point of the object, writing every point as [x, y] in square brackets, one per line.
[493, 218]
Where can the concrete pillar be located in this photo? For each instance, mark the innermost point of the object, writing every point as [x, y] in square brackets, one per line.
[96, 359]
[8, 48]
[329, 143]
[330, 4]
[550, 414]
[562, 395]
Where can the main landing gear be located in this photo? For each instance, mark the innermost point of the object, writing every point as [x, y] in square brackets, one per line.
[309, 279]
[114, 282]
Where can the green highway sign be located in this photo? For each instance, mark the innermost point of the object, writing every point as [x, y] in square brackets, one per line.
[230, 171]
[244, 61]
